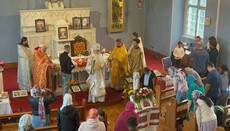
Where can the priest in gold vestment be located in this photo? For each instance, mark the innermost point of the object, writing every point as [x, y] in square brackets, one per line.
[42, 62]
[119, 65]
[135, 58]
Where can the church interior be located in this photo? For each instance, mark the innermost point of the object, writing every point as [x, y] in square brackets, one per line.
[114, 65]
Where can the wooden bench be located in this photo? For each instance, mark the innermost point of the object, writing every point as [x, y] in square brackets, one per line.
[174, 110]
[163, 95]
[191, 125]
[10, 120]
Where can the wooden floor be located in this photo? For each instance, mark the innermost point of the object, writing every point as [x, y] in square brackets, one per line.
[113, 112]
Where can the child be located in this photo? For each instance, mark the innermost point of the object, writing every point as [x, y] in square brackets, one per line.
[132, 124]
[205, 116]
[178, 54]
[213, 52]
[101, 113]
[147, 77]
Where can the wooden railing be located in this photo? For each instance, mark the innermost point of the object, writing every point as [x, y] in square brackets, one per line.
[9, 120]
[163, 95]
[174, 110]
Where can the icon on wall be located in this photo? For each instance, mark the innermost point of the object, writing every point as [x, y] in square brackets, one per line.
[62, 33]
[76, 23]
[85, 22]
[40, 25]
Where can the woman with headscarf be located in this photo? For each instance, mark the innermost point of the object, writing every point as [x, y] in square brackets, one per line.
[39, 103]
[191, 71]
[25, 123]
[67, 115]
[92, 123]
[205, 116]
[121, 124]
[193, 85]
[180, 83]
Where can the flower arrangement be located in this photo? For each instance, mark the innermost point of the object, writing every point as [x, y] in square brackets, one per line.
[143, 93]
[128, 91]
[72, 83]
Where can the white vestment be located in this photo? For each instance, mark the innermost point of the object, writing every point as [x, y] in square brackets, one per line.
[24, 68]
[136, 81]
[96, 81]
[142, 49]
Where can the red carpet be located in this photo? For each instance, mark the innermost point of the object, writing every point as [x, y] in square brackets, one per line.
[10, 84]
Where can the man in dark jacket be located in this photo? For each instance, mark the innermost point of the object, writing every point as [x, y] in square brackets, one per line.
[66, 68]
[147, 78]
[67, 116]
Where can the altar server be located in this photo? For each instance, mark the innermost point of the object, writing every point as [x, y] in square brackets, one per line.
[119, 65]
[135, 58]
[135, 36]
[24, 62]
[94, 67]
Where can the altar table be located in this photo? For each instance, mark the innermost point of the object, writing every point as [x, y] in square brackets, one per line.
[5, 107]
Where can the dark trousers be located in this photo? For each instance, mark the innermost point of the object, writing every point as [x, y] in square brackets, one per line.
[202, 74]
[215, 100]
[177, 63]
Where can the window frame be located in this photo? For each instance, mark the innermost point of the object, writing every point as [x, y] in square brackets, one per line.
[198, 7]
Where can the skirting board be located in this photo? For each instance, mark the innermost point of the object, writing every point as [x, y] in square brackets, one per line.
[148, 51]
[10, 65]
[155, 54]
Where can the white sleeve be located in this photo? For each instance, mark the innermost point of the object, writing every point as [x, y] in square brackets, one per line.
[88, 67]
[198, 117]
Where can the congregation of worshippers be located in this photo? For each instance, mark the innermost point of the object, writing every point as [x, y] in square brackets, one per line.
[72, 78]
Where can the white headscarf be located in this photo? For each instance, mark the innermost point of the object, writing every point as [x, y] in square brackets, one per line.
[25, 122]
[67, 100]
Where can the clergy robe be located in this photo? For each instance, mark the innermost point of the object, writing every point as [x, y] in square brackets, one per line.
[40, 70]
[96, 81]
[24, 68]
[136, 60]
[142, 49]
[119, 66]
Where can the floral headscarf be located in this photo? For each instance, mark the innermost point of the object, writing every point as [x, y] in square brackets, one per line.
[92, 114]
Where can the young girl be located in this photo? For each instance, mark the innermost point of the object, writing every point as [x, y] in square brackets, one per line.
[205, 116]
[224, 85]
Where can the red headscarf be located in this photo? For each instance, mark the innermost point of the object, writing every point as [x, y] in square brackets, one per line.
[121, 124]
[92, 114]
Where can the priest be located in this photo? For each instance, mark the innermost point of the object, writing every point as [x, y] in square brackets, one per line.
[135, 36]
[96, 81]
[119, 65]
[135, 58]
[24, 65]
[42, 64]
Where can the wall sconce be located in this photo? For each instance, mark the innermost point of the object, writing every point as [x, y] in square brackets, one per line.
[139, 5]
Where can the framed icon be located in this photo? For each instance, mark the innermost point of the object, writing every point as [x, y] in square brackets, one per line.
[85, 21]
[19, 93]
[146, 104]
[40, 25]
[76, 88]
[62, 33]
[76, 23]
[129, 79]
